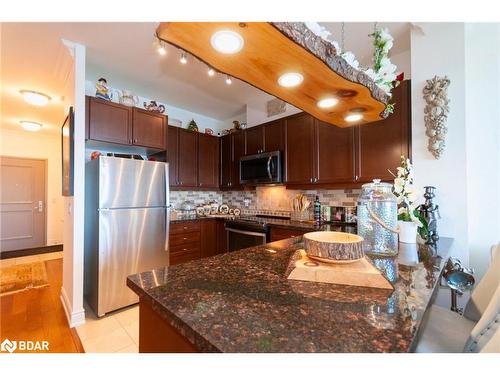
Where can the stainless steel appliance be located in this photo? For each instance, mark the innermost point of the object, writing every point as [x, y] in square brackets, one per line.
[261, 169]
[126, 227]
[246, 232]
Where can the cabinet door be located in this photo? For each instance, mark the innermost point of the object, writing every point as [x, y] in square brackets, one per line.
[172, 155]
[254, 140]
[109, 122]
[209, 237]
[335, 154]
[274, 136]
[299, 135]
[381, 144]
[149, 129]
[226, 161]
[208, 161]
[221, 236]
[238, 152]
[188, 158]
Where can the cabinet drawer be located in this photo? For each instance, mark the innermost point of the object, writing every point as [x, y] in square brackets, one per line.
[190, 226]
[184, 254]
[180, 239]
[278, 234]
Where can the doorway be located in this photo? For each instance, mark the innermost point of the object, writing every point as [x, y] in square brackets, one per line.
[23, 219]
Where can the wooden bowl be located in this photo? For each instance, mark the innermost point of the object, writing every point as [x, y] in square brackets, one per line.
[336, 247]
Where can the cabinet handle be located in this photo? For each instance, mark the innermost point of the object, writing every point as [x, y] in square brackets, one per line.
[311, 180]
[356, 178]
[135, 140]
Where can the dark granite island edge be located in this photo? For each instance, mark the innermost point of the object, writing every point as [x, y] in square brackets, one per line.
[194, 298]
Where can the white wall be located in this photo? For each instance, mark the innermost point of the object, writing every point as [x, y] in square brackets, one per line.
[403, 62]
[173, 112]
[482, 114]
[37, 145]
[438, 49]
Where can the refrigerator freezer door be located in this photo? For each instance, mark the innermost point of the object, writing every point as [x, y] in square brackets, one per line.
[125, 183]
[130, 241]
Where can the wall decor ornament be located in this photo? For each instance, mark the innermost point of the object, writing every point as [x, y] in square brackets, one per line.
[275, 107]
[436, 113]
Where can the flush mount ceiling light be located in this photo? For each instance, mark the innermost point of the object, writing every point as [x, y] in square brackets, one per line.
[353, 117]
[183, 58]
[290, 79]
[35, 97]
[161, 49]
[31, 126]
[211, 72]
[327, 102]
[228, 80]
[227, 42]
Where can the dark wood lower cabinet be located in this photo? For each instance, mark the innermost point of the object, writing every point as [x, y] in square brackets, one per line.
[278, 234]
[209, 238]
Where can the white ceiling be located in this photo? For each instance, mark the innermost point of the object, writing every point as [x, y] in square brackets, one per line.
[125, 54]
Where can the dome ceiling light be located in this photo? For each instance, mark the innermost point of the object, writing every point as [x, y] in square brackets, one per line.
[291, 79]
[31, 126]
[227, 42]
[353, 117]
[35, 98]
[328, 102]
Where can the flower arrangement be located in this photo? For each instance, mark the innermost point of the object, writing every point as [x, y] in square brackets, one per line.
[406, 195]
[383, 72]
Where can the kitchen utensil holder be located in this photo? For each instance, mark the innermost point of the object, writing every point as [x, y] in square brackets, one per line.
[299, 216]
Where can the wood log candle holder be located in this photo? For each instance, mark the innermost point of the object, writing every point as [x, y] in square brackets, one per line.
[333, 247]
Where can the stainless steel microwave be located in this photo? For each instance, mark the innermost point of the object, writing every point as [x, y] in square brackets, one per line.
[261, 169]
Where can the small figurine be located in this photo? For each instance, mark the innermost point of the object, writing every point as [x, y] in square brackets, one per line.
[102, 90]
[192, 126]
[209, 131]
[152, 106]
[430, 212]
[236, 125]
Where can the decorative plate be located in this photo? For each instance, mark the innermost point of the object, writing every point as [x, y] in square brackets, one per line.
[200, 211]
[224, 209]
[237, 212]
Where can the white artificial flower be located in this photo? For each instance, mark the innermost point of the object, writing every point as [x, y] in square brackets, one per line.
[399, 185]
[337, 47]
[319, 30]
[412, 195]
[371, 73]
[351, 59]
[401, 171]
[385, 36]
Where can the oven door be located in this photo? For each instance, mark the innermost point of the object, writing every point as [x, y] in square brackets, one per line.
[241, 239]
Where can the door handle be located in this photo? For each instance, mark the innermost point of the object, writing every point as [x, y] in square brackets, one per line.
[269, 167]
[39, 206]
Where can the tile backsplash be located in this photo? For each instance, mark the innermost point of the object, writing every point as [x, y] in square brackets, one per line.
[272, 200]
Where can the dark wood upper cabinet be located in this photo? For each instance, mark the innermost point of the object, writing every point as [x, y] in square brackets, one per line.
[334, 154]
[381, 144]
[208, 161]
[254, 140]
[238, 152]
[299, 149]
[108, 121]
[274, 136]
[149, 129]
[172, 155]
[226, 160]
[188, 158]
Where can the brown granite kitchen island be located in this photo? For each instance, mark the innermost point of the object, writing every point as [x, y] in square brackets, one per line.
[243, 302]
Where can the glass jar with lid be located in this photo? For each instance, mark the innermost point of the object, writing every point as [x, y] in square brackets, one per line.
[378, 218]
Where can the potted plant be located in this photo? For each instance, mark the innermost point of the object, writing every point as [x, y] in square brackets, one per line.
[409, 218]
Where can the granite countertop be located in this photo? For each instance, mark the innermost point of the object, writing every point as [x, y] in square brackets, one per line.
[243, 302]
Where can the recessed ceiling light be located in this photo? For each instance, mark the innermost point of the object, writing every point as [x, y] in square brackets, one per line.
[353, 117]
[228, 80]
[162, 50]
[31, 126]
[211, 72]
[290, 79]
[35, 97]
[183, 58]
[227, 41]
[327, 102]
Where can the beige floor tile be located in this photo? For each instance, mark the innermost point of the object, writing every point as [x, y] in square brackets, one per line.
[108, 343]
[94, 327]
[129, 349]
[127, 316]
[132, 330]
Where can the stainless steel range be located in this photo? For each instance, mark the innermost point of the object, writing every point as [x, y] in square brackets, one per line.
[247, 231]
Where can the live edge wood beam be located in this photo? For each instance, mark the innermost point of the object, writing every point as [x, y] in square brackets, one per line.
[272, 49]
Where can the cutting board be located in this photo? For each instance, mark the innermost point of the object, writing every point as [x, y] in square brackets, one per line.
[359, 273]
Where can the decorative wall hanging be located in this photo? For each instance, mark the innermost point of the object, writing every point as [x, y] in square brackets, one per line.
[293, 61]
[436, 113]
[275, 107]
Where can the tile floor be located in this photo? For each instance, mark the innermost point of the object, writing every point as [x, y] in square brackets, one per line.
[117, 332]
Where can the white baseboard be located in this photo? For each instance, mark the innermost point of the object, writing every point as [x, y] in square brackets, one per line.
[75, 318]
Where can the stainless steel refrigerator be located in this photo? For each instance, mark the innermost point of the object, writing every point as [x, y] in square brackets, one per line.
[126, 227]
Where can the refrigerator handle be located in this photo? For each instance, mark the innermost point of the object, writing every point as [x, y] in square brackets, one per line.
[167, 209]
